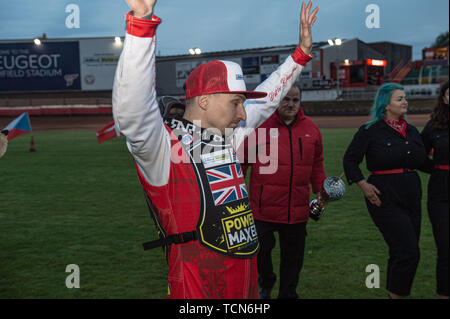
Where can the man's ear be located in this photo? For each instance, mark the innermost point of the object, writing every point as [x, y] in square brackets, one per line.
[203, 102]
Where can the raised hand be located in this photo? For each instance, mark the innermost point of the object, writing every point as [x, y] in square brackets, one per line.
[307, 20]
[141, 8]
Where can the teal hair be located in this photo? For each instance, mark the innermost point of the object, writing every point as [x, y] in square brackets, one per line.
[382, 99]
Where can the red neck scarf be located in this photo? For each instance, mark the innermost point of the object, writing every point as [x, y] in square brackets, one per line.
[399, 126]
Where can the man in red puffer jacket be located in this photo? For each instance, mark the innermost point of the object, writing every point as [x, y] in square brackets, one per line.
[280, 197]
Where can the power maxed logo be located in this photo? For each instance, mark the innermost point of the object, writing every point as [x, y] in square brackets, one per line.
[240, 227]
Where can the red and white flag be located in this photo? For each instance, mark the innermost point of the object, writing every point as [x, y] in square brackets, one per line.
[110, 131]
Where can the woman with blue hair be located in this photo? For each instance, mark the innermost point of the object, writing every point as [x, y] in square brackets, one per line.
[393, 149]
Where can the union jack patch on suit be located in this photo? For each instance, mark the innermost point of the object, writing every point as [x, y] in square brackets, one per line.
[227, 183]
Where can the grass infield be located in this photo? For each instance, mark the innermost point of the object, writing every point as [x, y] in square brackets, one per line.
[77, 202]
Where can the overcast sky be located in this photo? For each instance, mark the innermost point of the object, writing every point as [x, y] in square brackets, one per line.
[219, 25]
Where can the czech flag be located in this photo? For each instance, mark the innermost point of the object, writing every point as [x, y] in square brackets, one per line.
[110, 131]
[19, 126]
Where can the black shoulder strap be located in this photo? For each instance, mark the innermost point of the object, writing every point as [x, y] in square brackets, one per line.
[161, 231]
[165, 241]
[171, 239]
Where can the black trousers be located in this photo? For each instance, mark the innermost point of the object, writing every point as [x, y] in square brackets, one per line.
[438, 213]
[292, 248]
[399, 220]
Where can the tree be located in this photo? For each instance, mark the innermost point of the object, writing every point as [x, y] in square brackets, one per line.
[441, 40]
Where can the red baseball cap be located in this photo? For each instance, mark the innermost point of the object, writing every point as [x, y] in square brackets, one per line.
[218, 77]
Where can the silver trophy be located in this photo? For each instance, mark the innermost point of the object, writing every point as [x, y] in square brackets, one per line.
[333, 188]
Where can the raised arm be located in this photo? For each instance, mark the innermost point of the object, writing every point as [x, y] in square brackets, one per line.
[135, 108]
[281, 80]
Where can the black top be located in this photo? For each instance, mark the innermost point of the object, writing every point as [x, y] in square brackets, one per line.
[438, 141]
[384, 149]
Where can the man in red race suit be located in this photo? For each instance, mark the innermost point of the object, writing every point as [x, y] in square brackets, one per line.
[188, 168]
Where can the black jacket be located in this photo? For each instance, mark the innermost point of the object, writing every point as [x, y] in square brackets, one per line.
[384, 149]
[438, 141]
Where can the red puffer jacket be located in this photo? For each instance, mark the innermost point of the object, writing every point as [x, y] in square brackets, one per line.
[283, 196]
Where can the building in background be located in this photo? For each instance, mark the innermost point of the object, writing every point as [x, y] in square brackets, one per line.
[81, 71]
[394, 53]
[257, 65]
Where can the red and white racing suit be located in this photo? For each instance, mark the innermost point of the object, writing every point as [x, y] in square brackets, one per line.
[194, 182]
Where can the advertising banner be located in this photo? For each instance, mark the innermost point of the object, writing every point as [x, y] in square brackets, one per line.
[49, 66]
[99, 58]
[183, 69]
